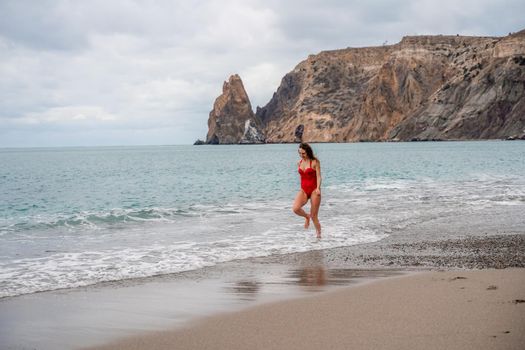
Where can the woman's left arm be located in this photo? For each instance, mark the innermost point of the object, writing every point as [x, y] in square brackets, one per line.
[318, 173]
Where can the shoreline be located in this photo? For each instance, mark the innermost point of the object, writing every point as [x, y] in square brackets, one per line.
[230, 144]
[465, 309]
[509, 138]
[103, 313]
[381, 255]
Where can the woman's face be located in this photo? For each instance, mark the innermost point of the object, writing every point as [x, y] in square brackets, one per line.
[302, 153]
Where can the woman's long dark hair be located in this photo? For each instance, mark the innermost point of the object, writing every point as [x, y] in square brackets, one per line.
[308, 150]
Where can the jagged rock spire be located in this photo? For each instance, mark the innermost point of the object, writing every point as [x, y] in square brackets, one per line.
[232, 119]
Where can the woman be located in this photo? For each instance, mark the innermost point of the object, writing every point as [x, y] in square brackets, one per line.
[310, 171]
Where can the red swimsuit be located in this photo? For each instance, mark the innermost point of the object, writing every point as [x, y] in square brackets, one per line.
[308, 179]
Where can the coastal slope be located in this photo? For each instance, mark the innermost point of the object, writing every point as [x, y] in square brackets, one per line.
[422, 88]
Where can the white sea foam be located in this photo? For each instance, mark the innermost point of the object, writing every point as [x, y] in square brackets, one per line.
[66, 270]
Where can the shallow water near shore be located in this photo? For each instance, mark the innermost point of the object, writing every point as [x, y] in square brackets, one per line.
[73, 217]
[142, 238]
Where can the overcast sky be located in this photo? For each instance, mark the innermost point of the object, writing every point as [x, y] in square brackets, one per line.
[130, 72]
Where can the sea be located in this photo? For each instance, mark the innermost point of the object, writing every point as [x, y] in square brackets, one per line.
[79, 216]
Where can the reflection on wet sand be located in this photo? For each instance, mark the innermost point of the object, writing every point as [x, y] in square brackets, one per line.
[309, 272]
[312, 277]
[246, 290]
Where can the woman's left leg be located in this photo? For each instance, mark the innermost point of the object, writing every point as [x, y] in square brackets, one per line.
[300, 200]
[314, 211]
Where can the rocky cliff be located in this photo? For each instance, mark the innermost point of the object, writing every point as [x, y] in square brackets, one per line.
[232, 119]
[422, 88]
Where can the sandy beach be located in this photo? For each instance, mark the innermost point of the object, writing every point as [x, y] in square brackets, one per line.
[483, 309]
[465, 293]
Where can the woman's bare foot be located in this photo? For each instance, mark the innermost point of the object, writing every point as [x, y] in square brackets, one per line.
[317, 225]
[307, 221]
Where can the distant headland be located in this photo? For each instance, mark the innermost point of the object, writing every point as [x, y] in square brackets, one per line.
[422, 88]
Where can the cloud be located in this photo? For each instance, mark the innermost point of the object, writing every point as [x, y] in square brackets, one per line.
[78, 116]
[101, 70]
[261, 78]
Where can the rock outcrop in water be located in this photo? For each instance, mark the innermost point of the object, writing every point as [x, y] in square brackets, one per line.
[422, 88]
[232, 119]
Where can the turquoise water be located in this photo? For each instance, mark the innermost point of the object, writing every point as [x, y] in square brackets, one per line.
[77, 216]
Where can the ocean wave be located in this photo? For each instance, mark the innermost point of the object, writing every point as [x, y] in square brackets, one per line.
[103, 219]
[202, 235]
[486, 189]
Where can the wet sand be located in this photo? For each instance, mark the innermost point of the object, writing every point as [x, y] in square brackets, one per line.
[438, 310]
[94, 315]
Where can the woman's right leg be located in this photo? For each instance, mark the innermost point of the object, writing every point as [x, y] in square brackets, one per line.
[300, 200]
[314, 212]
